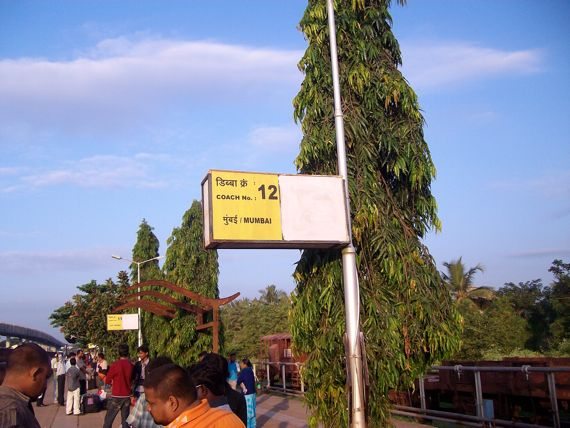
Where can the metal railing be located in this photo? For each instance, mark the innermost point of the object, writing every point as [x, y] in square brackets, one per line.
[267, 378]
[288, 386]
[480, 418]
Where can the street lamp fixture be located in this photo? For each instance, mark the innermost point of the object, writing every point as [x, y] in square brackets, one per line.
[140, 338]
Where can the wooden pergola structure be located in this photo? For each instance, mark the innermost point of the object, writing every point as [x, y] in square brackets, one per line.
[169, 305]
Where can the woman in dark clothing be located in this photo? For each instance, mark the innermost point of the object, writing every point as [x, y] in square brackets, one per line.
[246, 380]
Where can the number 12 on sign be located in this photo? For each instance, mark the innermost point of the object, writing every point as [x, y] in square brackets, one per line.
[272, 189]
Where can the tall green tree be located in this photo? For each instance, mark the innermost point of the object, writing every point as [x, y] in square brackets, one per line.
[530, 301]
[247, 320]
[559, 297]
[497, 330]
[505, 330]
[146, 247]
[84, 317]
[407, 315]
[460, 283]
[191, 266]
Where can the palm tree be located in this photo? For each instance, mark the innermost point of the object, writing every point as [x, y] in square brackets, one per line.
[271, 295]
[460, 283]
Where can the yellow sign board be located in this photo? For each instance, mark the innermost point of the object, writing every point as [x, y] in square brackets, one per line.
[260, 210]
[114, 322]
[122, 322]
[245, 206]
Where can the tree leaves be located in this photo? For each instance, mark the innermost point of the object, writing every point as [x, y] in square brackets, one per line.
[390, 170]
[246, 321]
[85, 315]
[191, 266]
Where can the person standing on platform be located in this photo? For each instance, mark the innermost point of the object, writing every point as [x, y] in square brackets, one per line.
[80, 360]
[40, 400]
[246, 380]
[60, 376]
[42, 396]
[69, 356]
[72, 382]
[119, 377]
[27, 373]
[139, 372]
[102, 369]
[54, 362]
[233, 370]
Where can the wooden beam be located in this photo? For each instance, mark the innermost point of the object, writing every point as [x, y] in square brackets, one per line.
[167, 298]
[205, 326]
[206, 302]
[149, 306]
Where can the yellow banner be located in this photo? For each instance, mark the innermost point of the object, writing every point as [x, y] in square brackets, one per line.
[245, 206]
[114, 322]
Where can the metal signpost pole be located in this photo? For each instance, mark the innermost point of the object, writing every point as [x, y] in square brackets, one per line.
[140, 338]
[350, 275]
[139, 309]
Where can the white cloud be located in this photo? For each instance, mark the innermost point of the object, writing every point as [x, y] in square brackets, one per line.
[274, 138]
[9, 170]
[101, 171]
[119, 80]
[48, 261]
[436, 64]
[123, 82]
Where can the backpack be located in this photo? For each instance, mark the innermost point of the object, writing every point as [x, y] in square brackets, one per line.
[90, 403]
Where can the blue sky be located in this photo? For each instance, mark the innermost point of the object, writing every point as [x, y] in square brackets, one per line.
[111, 112]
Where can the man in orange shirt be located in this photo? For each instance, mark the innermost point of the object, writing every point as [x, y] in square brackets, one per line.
[172, 401]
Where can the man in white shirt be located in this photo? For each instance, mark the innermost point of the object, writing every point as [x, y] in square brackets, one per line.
[54, 361]
[60, 376]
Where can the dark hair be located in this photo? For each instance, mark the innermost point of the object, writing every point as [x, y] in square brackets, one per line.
[72, 361]
[27, 356]
[246, 362]
[4, 354]
[221, 363]
[211, 372]
[123, 350]
[202, 355]
[157, 362]
[171, 379]
[101, 355]
[143, 348]
[71, 354]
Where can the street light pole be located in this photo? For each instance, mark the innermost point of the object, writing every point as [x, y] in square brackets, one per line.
[140, 338]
